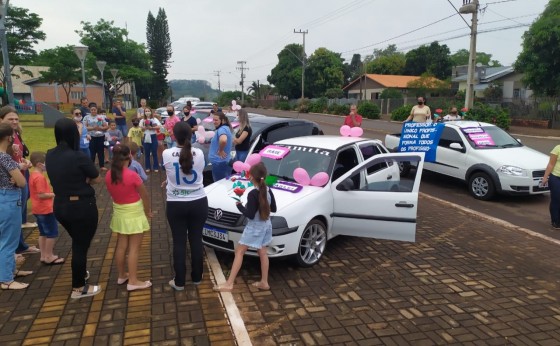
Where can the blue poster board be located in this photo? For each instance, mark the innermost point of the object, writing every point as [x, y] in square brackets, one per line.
[421, 137]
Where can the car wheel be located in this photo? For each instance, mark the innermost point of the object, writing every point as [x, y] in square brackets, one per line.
[481, 186]
[312, 244]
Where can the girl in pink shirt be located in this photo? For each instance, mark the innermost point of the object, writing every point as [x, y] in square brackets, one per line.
[131, 210]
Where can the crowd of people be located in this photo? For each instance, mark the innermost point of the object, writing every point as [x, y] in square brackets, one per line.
[90, 136]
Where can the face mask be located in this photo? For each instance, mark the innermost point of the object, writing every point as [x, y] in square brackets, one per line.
[420, 102]
[77, 118]
[170, 113]
[148, 113]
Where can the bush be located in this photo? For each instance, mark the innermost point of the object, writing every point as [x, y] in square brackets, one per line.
[283, 105]
[302, 106]
[338, 109]
[401, 113]
[334, 93]
[489, 114]
[368, 110]
[318, 106]
[391, 93]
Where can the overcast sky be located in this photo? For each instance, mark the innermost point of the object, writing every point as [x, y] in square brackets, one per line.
[212, 35]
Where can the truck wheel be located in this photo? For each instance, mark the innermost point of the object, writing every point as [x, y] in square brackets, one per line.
[481, 186]
[312, 244]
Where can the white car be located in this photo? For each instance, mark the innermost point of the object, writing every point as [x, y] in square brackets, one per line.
[365, 196]
[487, 158]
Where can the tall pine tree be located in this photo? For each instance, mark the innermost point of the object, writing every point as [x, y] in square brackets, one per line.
[159, 47]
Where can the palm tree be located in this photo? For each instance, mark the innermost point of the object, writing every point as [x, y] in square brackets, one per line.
[253, 89]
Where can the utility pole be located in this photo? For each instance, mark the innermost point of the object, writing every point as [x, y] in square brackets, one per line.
[302, 62]
[217, 73]
[242, 68]
[471, 7]
[5, 59]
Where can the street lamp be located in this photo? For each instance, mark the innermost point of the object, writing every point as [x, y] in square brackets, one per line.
[101, 66]
[81, 52]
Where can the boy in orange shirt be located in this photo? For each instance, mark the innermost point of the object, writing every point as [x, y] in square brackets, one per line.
[42, 207]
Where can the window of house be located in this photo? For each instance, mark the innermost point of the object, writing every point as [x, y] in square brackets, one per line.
[516, 93]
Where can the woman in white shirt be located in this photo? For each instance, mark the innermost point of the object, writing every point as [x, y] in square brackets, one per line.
[150, 124]
[187, 205]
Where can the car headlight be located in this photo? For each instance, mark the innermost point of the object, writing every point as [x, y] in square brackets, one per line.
[512, 170]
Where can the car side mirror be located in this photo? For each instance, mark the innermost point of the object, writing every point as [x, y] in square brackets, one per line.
[519, 140]
[346, 185]
[456, 146]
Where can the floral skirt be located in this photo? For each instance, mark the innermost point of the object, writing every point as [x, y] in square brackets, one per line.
[129, 218]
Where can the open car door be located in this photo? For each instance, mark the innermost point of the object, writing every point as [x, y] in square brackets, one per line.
[372, 200]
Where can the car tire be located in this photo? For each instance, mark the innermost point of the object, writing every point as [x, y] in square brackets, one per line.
[481, 186]
[312, 244]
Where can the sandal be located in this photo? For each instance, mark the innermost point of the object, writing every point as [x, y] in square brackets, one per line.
[22, 273]
[13, 285]
[146, 284]
[259, 285]
[86, 291]
[122, 281]
[31, 250]
[57, 260]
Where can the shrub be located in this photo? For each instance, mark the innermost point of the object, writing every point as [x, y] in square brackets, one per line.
[489, 114]
[334, 93]
[401, 113]
[391, 93]
[302, 106]
[283, 105]
[319, 105]
[368, 110]
[339, 109]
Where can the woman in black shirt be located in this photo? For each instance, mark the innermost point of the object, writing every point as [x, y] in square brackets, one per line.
[242, 140]
[71, 174]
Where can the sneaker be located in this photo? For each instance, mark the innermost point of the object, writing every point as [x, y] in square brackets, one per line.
[196, 283]
[177, 288]
[29, 225]
[555, 225]
[86, 291]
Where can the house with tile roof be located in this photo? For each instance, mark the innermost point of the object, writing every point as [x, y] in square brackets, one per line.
[370, 86]
[512, 85]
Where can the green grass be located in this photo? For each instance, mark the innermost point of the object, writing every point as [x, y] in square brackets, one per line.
[24, 118]
[38, 138]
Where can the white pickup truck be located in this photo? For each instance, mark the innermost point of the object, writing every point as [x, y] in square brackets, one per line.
[500, 164]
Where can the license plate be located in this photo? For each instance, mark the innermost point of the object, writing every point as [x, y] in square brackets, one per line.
[215, 233]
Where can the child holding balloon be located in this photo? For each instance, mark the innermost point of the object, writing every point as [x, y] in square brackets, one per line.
[258, 231]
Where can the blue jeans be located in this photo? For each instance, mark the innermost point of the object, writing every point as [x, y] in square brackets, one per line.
[48, 226]
[240, 156]
[22, 245]
[220, 170]
[124, 129]
[10, 230]
[150, 149]
[554, 185]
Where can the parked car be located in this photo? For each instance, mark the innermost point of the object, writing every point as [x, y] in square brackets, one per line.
[188, 98]
[203, 105]
[504, 167]
[266, 130]
[178, 106]
[364, 196]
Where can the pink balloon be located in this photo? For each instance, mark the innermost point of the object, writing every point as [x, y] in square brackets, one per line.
[209, 134]
[345, 130]
[208, 120]
[201, 140]
[198, 121]
[201, 130]
[320, 179]
[246, 167]
[238, 166]
[253, 159]
[356, 132]
[301, 176]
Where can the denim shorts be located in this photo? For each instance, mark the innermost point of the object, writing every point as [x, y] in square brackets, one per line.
[48, 226]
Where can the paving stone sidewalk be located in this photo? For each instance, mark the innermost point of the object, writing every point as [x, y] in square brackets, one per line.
[464, 281]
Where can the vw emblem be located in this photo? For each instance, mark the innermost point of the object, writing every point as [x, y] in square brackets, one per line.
[218, 214]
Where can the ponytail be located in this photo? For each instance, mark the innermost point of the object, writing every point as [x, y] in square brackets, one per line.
[183, 134]
[258, 172]
[121, 153]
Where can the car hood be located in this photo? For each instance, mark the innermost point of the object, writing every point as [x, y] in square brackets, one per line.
[522, 157]
[220, 194]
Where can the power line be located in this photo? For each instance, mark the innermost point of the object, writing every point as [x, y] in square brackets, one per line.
[455, 8]
[511, 19]
[498, 2]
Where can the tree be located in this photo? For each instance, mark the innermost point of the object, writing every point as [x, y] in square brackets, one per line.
[541, 47]
[461, 57]
[391, 93]
[64, 68]
[427, 84]
[159, 47]
[387, 64]
[286, 75]
[254, 89]
[226, 97]
[354, 69]
[494, 91]
[325, 71]
[433, 59]
[111, 44]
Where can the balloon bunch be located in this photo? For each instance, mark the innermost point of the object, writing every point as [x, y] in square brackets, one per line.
[202, 135]
[464, 111]
[347, 131]
[302, 177]
[235, 106]
[437, 114]
[244, 167]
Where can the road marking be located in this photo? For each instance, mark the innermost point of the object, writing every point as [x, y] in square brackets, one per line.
[237, 324]
[492, 219]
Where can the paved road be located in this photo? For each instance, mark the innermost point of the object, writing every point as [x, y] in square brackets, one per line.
[529, 212]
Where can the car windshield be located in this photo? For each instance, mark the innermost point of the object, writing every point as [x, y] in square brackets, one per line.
[489, 137]
[313, 160]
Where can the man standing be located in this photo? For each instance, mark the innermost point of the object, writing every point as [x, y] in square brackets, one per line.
[84, 108]
[353, 119]
[120, 117]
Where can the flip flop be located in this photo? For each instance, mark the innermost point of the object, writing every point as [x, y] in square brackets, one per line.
[22, 273]
[31, 250]
[147, 284]
[122, 281]
[14, 285]
[258, 285]
[222, 289]
[56, 261]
